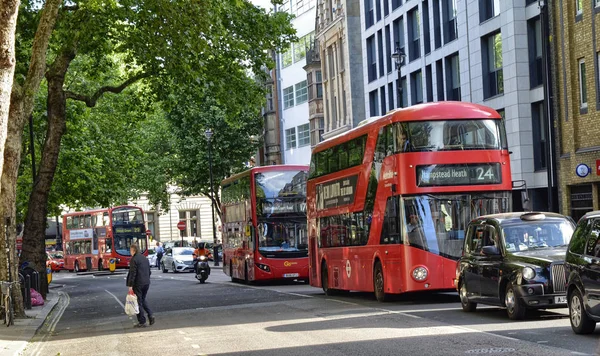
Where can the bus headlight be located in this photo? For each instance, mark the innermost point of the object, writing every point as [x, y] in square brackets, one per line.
[263, 267]
[528, 273]
[420, 274]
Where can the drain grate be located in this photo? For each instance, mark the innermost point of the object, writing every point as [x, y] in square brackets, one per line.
[492, 350]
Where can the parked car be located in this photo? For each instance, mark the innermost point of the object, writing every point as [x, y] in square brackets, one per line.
[151, 257]
[178, 259]
[516, 261]
[55, 261]
[583, 274]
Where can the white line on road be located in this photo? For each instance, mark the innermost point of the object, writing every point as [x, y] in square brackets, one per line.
[117, 299]
[55, 319]
[187, 338]
[181, 332]
[196, 346]
[343, 302]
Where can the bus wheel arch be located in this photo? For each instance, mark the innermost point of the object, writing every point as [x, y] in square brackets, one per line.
[379, 282]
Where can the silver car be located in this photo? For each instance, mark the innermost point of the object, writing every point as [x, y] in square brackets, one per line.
[178, 259]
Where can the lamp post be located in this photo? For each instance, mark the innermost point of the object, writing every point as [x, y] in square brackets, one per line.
[209, 133]
[398, 57]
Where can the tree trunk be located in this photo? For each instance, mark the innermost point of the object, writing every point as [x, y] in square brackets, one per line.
[8, 22]
[34, 247]
[21, 106]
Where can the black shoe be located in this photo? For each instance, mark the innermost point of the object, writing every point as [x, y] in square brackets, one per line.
[139, 326]
[151, 318]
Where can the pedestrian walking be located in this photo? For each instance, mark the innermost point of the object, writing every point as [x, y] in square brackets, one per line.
[138, 281]
[159, 254]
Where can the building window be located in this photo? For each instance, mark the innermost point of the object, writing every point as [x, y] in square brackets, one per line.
[302, 6]
[582, 85]
[301, 93]
[450, 23]
[437, 28]
[382, 99]
[597, 3]
[303, 135]
[453, 77]
[373, 103]
[416, 85]
[317, 128]
[286, 58]
[378, 9]
[192, 223]
[391, 96]
[151, 223]
[386, 7]
[388, 46]
[270, 104]
[301, 46]
[579, 7]
[381, 52]
[370, 17]
[290, 138]
[396, 4]
[582, 200]
[371, 58]
[426, 32]
[404, 92]
[540, 133]
[429, 83]
[414, 34]
[319, 84]
[439, 75]
[488, 9]
[399, 33]
[493, 79]
[534, 30]
[288, 97]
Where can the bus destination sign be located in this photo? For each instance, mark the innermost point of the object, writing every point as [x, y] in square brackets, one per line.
[458, 174]
[131, 229]
[336, 193]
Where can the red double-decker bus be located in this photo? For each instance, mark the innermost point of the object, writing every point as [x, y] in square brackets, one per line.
[389, 201]
[91, 238]
[264, 224]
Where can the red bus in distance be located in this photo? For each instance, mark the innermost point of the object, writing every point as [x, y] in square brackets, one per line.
[91, 238]
[264, 224]
[388, 201]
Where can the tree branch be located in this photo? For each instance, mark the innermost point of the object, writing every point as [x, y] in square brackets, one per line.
[91, 101]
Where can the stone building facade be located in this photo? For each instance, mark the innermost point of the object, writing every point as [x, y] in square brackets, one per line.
[576, 53]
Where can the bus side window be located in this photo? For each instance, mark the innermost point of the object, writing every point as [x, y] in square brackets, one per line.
[69, 222]
[105, 220]
[390, 231]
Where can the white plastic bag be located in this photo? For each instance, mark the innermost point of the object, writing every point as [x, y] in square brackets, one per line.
[131, 305]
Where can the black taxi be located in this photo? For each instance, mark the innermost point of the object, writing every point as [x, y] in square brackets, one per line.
[516, 261]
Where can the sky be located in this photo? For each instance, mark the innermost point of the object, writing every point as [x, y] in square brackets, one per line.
[266, 4]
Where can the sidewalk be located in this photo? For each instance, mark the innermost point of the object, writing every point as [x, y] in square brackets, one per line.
[15, 338]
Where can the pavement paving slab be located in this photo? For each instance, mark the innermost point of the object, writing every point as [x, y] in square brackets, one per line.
[14, 339]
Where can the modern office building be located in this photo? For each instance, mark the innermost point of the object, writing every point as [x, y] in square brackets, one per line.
[576, 54]
[482, 51]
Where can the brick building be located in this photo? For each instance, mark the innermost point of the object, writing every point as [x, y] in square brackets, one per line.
[577, 76]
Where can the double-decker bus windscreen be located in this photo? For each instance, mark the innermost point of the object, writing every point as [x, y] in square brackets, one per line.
[451, 135]
[437, 224]
[128, 228]
[281, 213]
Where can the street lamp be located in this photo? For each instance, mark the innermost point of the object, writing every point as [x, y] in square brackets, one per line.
[398, 58]
[209, 133]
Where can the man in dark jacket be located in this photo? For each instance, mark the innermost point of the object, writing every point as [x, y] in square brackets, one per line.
[138, 281]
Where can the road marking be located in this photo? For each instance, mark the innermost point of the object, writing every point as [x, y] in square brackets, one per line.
[344, 302]
[117, 299]
[187, 338]
[296, 294]
[55, 318]
[196, 346]
[181, 332]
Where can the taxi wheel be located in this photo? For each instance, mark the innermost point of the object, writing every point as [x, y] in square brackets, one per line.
[514, 307]
[464, 299]
[174, 269]
[580, 321]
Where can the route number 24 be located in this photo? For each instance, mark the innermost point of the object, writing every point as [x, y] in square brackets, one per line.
[483, 174]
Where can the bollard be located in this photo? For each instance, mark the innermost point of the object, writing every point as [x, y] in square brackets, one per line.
[27, 292]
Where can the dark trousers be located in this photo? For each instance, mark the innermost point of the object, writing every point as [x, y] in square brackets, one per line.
[140, 292]
[158, 261]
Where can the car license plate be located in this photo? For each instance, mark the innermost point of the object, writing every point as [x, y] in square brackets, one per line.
[560, 300]
[290, 275]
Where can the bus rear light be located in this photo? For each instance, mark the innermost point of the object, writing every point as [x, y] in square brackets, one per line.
[263, 267]
[420, 274]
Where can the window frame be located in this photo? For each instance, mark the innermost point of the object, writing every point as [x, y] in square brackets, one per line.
[303, 135]
[583, 103]
[288, 97]
[301, 92]
[290, 138]
[578, 7]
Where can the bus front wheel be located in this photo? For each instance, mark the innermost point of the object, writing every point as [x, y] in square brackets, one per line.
[378, 283]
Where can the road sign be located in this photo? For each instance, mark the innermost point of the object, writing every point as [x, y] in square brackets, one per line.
[148, 232]
[181, 225]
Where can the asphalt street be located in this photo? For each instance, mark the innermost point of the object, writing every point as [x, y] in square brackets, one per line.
[222, 317]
